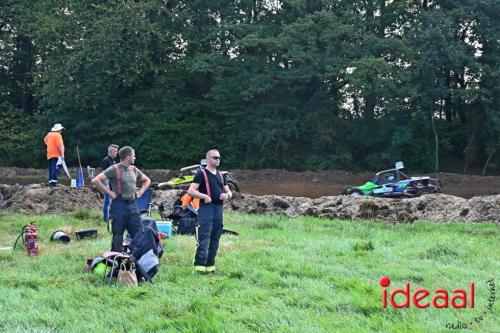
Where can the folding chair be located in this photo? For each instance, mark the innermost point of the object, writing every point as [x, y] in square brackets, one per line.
[112, 261]
[145, 202]
[144, 205]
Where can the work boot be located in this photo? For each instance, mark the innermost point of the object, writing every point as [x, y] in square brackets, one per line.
[200, 269]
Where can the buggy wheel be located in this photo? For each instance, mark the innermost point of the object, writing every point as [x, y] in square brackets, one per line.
[233, 186]
[355, 192]
[423, 191]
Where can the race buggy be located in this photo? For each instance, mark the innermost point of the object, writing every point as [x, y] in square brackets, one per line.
[186, 177]
[394, 183]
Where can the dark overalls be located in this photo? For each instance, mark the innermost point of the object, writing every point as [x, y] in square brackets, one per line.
[210, 220]
[53, 171]
[208, 232]
[125, 215]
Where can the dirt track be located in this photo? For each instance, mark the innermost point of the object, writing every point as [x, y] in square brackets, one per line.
[326, 183]
[281, 182]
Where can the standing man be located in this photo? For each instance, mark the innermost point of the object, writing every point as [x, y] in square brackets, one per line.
[210, 186]
[55, 151]
[108, 161]
[124, 212]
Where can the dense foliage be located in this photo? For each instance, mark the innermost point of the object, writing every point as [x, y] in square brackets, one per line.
[290, 84]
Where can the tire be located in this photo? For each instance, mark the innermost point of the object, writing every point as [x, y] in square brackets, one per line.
[355, 192]
[154, 186]
[423, 191]
[233, 186]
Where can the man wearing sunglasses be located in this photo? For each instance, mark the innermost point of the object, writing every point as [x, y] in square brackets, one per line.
[210, 186]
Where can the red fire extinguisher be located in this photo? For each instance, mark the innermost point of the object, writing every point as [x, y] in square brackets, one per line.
[30, 239]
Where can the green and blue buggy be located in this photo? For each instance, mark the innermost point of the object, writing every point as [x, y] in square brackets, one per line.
[394, 183]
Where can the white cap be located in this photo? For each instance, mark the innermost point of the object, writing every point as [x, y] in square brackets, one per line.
[57, 127]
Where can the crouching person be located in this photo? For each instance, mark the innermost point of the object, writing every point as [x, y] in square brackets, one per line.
[210, 186]
[124, 212]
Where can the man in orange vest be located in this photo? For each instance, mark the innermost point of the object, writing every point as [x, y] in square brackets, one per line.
[55, 152]
[187, 200]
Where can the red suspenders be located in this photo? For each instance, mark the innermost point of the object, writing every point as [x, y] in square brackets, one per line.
[207, 184]
[119, 178]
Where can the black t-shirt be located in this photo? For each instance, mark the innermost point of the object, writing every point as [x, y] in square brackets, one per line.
[216, 183]
[107, 162]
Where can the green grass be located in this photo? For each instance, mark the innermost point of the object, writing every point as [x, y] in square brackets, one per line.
[280, 275]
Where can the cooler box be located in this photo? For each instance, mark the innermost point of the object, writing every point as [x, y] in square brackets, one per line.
[165, 227]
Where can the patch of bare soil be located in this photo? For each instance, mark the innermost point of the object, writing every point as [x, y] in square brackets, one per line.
[41, 199]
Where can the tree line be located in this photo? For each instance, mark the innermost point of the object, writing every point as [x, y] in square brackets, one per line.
[296, 84]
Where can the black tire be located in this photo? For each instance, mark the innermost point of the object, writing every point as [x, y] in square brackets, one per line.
[355, 192]
[423, 191]
[233, 186]
[154, 186]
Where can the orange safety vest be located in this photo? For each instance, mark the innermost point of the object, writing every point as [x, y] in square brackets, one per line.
[53, 140]
[189, 200]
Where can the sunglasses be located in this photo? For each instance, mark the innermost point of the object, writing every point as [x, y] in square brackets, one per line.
[217, 158]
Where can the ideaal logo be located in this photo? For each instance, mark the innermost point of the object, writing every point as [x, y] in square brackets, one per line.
[460, 298]
[439, 299]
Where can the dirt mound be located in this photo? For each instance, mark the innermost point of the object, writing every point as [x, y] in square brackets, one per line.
[167, 197]
[40, 199]
[435, 208]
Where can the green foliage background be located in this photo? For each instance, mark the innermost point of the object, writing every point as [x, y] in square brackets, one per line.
[273, 84]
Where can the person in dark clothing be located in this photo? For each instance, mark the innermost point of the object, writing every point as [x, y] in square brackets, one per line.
[210, 186]
[124, 212]
[185, 211]
[108, 161]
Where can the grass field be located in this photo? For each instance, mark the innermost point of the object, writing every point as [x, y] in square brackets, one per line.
[280, 275]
